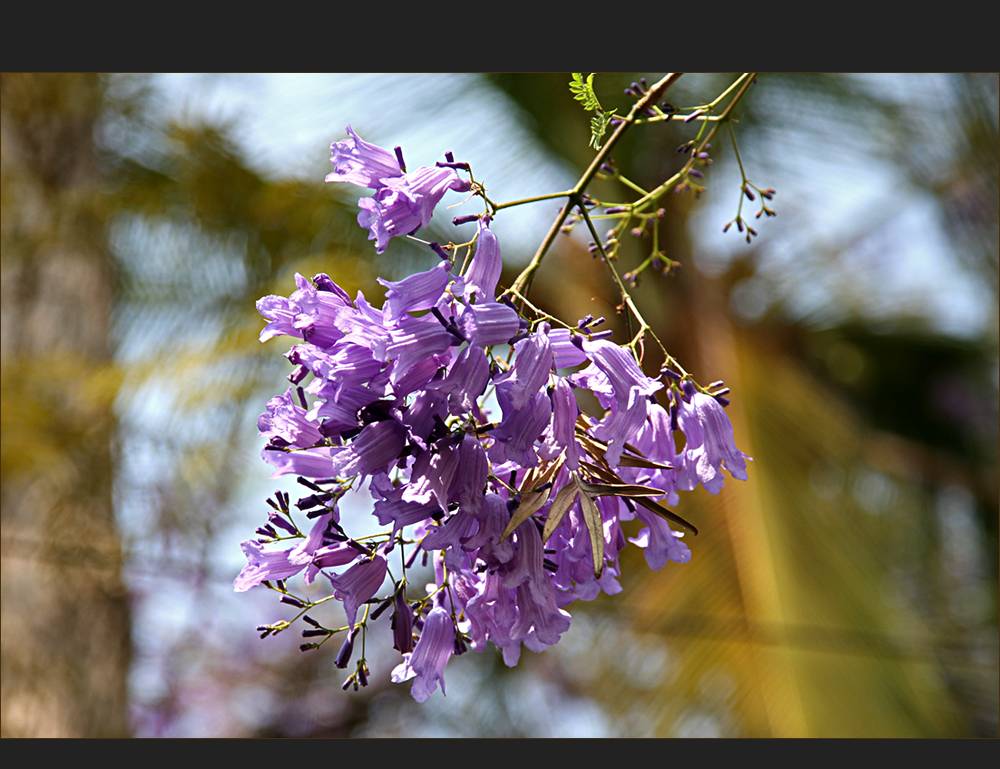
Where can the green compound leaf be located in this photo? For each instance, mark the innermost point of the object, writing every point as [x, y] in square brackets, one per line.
[583, 91]
[598, 126]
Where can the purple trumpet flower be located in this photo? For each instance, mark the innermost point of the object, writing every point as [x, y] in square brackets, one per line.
[358, 584]
[358, 162]
[405, 203]
[710, 445]
[428, 659]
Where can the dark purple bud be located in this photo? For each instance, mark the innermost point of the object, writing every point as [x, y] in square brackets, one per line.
[460, 647]
[749, 193]
[739, 225]
[642, 82]
[716, 383]
[362, 676]
[310, 620]
[280, 522]
[266, 531]
[722, 401]
[464, 219]
[307, 503]
[292, 601]
[668, 107]
[673, 417]
[437, 314]
[577, 340]
[658, 263]
[402, 625]
[344, 655]
[606, 334]
[462, 166]
[696, 173]
[693, 115]
[273, 504]
[584, 322]
[670, 373]
[449, 156]
[302, 397]
[615, 209]
[726, 228]
[607, 169]
[399, 158]
[438, 250]
[723, 391]
[298, 374]
[265, 631]
[689, 389]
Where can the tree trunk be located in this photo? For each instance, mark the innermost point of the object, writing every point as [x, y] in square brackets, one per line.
[65, 631]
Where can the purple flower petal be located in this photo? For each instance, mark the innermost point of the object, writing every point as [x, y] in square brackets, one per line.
[484, 271]
[430, 656]
[358, 162]
[358, 584]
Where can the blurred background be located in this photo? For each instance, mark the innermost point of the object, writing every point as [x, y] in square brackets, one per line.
[848, 589]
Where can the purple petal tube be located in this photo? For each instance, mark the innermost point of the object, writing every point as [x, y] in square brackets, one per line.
[264, 565]
[358, 162]
[405, 203]
[710, 445]
[484, 272]
[358, 584]
[428, 659]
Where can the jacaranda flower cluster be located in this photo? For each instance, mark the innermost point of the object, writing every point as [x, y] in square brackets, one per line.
[519, 507]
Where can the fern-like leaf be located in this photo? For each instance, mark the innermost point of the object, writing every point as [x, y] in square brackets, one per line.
[598, 125]
[583, 91]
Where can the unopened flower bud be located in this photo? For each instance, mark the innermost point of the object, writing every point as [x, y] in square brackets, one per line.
[344, 655]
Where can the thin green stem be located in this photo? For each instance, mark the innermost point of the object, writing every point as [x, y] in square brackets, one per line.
[536, 199]
[736, 149]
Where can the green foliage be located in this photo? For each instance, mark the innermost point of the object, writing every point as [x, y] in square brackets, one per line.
[583, 92]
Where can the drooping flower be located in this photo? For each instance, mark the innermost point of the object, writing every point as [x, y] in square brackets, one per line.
[358, 584]
[710, 444]
[430, 656]
[484, 271]
[358, 162]
[405, 203]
